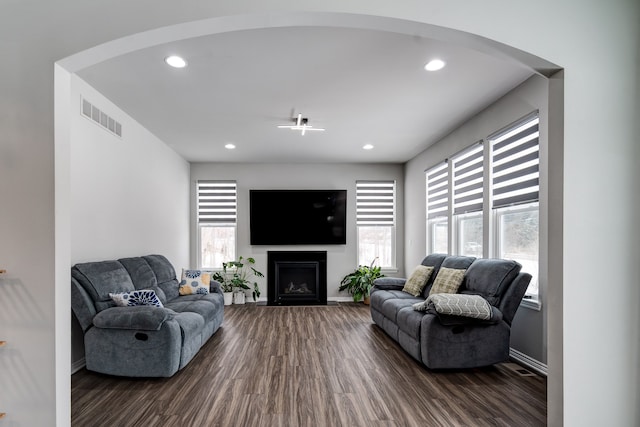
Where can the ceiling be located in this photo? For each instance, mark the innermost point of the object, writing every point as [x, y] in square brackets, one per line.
[362, 86]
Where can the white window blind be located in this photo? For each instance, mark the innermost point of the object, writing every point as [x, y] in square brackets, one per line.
[217, 202]
[375, 202]
[515, 163]
[468, 180]
[438, 191]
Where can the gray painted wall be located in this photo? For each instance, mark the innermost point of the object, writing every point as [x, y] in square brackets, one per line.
[528, 329]
[341, 259]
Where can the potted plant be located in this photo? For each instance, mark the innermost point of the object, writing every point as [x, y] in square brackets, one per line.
[237, 276]
[359, 283]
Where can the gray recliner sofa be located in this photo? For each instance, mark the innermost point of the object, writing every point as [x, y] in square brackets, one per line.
[442, 341]
[141, 341]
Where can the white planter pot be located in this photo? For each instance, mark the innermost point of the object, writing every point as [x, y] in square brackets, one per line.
[238, 298]
[228, 298]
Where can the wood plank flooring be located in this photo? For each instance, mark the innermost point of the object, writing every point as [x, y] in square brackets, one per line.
[308, 366]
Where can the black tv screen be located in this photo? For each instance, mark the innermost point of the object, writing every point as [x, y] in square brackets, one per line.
[298, 217]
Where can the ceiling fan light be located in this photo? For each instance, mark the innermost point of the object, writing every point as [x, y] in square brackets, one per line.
[301, 124]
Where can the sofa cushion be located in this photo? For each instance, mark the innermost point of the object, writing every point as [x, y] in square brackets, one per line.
[165, 275]
[490, 277]
[458, 261]
[390, 307]
[447, 281]
[217, 299]
[194, 282]
[100, 279]
[141, 273]
[136, 298]
[143, 276]
[202, 307]
[418, 280]
[145, 318]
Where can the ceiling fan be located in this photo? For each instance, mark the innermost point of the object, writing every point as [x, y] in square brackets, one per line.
[301, 124]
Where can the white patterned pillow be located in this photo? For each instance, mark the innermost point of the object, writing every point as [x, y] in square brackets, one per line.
[460, 305]
[136, 298]
[195, 282]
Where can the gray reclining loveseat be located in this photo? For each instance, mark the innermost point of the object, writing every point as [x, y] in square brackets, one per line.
[154, 339]
[442, 340]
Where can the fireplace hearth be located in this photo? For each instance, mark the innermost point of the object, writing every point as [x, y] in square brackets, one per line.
[297, 278]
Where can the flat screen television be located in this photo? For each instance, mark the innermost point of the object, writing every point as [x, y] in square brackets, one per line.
[298, 217]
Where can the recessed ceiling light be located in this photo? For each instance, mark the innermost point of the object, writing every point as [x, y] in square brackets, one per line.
[434, 65]
[175, 61]
[229, 146]
[367, 147]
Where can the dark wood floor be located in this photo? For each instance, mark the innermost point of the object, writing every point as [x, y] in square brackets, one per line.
[309, 366]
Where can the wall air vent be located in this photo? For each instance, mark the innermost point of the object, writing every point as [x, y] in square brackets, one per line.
[92, 112]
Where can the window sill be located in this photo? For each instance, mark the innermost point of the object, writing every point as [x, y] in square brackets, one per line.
[532, 304]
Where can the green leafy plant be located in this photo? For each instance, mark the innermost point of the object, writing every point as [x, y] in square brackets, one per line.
[239, 275]
[359, 283]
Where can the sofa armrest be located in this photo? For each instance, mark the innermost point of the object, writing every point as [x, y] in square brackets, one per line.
[145, 318]
[215, 287]
[389, 283]
[451, 320]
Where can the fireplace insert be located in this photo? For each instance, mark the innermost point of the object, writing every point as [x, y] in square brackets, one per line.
[297, 278]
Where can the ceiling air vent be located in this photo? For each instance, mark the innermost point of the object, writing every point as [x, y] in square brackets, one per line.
[92, 112]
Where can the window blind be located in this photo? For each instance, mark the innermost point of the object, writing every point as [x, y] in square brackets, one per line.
[217, 202]
[375, 202]
[438, 191]
[468, 180]
[515, 164]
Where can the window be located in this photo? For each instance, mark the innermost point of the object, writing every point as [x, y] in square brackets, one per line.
[217, 206]
[468, 186]
[375, 215]
[468, 208]
[517, 238]
[438, 208]
[469, 234]
[515, 194]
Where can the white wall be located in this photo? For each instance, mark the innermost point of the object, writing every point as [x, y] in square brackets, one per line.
[528, 334]
[596, 43]
[129, 195]
[341, 259]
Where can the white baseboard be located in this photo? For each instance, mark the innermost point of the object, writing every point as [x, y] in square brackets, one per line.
[528, 361]
[77, 365]
[340, 299]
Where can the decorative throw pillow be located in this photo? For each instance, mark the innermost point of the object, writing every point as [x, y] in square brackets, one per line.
[473, 306]
[136, 298]
[447, 281]
[418, 280]
[194, 282]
